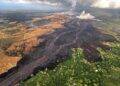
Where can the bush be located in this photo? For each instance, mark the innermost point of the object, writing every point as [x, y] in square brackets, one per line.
[78, 72]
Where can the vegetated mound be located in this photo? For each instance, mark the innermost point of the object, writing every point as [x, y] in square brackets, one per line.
[54, 45]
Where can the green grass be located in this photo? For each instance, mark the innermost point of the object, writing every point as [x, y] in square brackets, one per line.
[78, 72]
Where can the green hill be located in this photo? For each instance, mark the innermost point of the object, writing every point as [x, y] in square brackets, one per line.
[79, 72]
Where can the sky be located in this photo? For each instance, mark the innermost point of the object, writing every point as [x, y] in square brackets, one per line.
[115, 0]
[27, 5]
[46, 5]
[106, 4]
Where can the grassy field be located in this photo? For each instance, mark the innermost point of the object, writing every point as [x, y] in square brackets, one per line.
[78, 72]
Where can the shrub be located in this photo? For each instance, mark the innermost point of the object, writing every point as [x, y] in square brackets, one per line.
[78, 72]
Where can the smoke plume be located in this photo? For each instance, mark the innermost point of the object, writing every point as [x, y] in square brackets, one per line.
[85, 15]
[73, 4]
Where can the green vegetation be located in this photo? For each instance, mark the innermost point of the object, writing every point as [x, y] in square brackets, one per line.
[78, 72]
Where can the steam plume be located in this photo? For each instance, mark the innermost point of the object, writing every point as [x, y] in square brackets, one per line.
[85, 15]
[73, 3]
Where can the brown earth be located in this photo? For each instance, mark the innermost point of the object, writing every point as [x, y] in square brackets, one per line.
[7, 62]
[25, 40]
[51, 43]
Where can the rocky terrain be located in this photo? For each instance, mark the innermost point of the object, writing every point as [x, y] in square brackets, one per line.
[17, 38]
[51, 43]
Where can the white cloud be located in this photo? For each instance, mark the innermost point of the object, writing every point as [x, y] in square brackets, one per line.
[107, 4]
[31, 2]
[48, 3]
[14, 1]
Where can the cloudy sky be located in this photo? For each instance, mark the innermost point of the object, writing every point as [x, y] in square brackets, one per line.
[28, 4]
[54, 4]
[106, 4]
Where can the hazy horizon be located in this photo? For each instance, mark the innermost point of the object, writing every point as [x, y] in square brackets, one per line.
[48, 5]
[26, 6]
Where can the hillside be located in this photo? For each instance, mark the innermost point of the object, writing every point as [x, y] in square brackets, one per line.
[50, 43]
[76, 71]
[17, 38]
